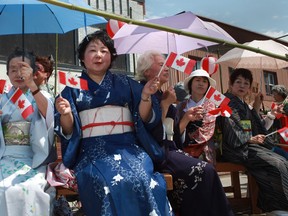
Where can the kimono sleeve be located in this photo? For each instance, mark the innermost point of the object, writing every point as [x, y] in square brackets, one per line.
[69, 146]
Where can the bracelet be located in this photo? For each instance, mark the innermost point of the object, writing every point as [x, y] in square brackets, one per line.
[146, 100]
[35, 92]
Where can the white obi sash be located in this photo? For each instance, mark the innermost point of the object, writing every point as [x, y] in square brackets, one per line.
[106, 120]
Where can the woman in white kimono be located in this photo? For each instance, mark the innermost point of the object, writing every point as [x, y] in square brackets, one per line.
[26, 141]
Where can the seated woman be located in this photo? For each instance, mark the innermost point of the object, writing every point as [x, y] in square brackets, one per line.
[244, 142]
[27, 138]
[196, 126]
[114, 175]
[197, 189]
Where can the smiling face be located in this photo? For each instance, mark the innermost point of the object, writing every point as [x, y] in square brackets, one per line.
[97, 58]
[240, 87]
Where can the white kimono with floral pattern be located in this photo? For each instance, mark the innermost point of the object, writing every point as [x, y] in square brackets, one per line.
[23, 187]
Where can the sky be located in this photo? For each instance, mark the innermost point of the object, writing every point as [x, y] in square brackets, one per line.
[268, 17]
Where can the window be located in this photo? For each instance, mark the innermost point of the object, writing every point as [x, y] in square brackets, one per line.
[270, 79]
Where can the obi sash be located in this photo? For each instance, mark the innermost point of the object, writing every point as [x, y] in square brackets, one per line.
[17, 133]
[106, 120]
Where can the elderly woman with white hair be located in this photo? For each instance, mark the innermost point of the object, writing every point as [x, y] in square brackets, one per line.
[197, 187]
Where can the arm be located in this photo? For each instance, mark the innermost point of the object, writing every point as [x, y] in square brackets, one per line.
[145, 106]
[66, 119]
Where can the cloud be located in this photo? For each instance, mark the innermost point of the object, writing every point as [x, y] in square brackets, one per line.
[276, 34]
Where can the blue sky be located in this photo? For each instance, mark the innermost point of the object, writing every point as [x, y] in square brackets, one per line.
[268, 17]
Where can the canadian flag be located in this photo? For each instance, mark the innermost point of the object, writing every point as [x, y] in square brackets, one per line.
[24, 105]
[180, 63]
[222, 110]
[2, 86]
[216, 97]
[72, 81]
[284, 133]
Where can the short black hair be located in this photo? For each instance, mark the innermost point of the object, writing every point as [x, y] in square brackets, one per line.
[18, 52]
[97, 35]
[245, 73]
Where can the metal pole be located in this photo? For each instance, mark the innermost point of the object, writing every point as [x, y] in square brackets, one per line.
[164, 28]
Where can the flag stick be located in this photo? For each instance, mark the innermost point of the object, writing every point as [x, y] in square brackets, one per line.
[162, 67]
[271, 133]
[205, 95]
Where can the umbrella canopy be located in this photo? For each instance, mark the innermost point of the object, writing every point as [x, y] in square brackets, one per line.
[240, 58]
[138, 39]
[32, 16]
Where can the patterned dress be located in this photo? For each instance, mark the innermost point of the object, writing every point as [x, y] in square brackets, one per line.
[197, 189]
[23, 187]
[269, 169]
[115, 176]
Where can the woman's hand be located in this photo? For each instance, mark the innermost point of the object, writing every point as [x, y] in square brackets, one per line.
[194, 113]
[258, 139]
[150, 88]
[63, 106]
[169, 97]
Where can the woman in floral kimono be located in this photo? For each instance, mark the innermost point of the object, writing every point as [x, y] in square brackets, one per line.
[197, 189]
[196, 126]
[244, 142]
[26, 137]
[115, 176]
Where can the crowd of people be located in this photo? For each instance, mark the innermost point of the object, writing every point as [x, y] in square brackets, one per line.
[100, 141]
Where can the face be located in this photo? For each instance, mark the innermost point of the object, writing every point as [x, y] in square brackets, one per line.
[156, 67]
[40, 77]
[199, 86]
[277, 97]
[240, 87]
[97, 58]
[14, 72]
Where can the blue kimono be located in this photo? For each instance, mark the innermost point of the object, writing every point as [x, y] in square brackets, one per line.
[115, 176]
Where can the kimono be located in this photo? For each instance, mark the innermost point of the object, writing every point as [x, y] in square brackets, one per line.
[23, 187]
[268, 168]
[197, 189]
[115, 175]
[197, 137]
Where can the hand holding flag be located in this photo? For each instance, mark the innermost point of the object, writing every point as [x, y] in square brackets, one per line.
[72, 81]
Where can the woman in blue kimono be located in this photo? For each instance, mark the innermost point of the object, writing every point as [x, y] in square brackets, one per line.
[26, 141]
[115, 176]
[197, 189]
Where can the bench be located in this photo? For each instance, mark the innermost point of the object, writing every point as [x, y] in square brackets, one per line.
[237, 200]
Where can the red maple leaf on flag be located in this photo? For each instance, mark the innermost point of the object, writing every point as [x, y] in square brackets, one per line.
[180, 62]
[21, 104]
[72, 81]
[217, 97]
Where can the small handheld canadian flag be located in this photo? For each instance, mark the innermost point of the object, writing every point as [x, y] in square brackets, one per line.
[2, 86]
[224, 110]
[72, 81]
[180, 63]
[284, 133]
[23, 104]
[216, 97]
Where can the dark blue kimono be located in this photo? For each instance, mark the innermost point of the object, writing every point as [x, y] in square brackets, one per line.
[115, 176]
